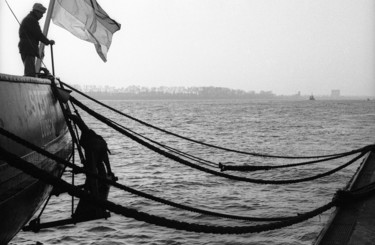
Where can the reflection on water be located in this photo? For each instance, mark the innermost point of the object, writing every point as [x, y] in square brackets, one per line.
[273, 127]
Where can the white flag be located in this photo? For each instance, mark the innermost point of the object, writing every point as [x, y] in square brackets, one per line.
[88, 21]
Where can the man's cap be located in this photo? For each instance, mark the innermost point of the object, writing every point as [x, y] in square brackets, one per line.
[39, 7]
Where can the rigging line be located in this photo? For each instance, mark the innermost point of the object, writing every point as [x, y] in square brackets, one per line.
[171, 149]
[224, 167]
[34, 171]
[129, 189]
[194, 158]
[197, 141]
[11, 10]
[46, 177]
[50, 195]
[73, 129]
[187, 163]
[185, 154]
[181, 153]
[245, 168]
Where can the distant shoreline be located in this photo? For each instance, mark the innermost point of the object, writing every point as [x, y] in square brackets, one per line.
[145, 96]
[197, 93]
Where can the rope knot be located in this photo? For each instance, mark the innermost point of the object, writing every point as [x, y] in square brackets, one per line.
[369, 148]
[342, 198]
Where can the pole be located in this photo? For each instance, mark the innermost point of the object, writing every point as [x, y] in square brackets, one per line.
[52, 60]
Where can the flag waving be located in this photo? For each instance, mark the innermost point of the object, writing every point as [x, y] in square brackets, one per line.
[88, 21]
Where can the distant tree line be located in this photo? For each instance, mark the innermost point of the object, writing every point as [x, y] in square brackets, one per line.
[136, 92]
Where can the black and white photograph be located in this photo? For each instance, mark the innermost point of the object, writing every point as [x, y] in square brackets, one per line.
[199, 122]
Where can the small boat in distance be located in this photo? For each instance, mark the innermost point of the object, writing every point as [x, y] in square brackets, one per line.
[311, 97]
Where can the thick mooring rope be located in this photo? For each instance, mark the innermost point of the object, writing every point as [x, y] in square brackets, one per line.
[176, 151]
[246, 168]
[78, 169]
[187, 163]
[44, 176]
[197, 141]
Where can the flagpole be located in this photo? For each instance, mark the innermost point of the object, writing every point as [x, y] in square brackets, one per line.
[45, 32]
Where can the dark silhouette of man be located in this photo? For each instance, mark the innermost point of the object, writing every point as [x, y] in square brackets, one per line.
[30, 35]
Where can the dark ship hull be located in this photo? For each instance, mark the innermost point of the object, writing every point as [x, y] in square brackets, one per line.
[29, 110]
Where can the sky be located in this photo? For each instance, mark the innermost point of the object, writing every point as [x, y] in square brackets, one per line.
[283, 46]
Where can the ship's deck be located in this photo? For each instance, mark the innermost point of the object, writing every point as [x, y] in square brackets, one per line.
[353, 224]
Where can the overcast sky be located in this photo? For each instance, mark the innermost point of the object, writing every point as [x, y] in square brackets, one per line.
[285, 46]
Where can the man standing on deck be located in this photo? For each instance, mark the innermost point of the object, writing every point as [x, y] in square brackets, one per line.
[30, 35]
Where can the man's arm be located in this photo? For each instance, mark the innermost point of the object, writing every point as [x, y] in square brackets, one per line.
[38, 34]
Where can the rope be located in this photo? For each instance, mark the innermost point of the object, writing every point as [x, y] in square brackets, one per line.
[345, 197]
[196, 141]
[44, 176]
[78, 169]
[178, 152]
[11, 10]
[187, 163]
[224, 167]
[244, 168]
[66, 111]
[34, 171]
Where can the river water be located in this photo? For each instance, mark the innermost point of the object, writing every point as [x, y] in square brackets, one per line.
[295, 128]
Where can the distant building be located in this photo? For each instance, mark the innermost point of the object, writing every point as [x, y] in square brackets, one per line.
[335, 93]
